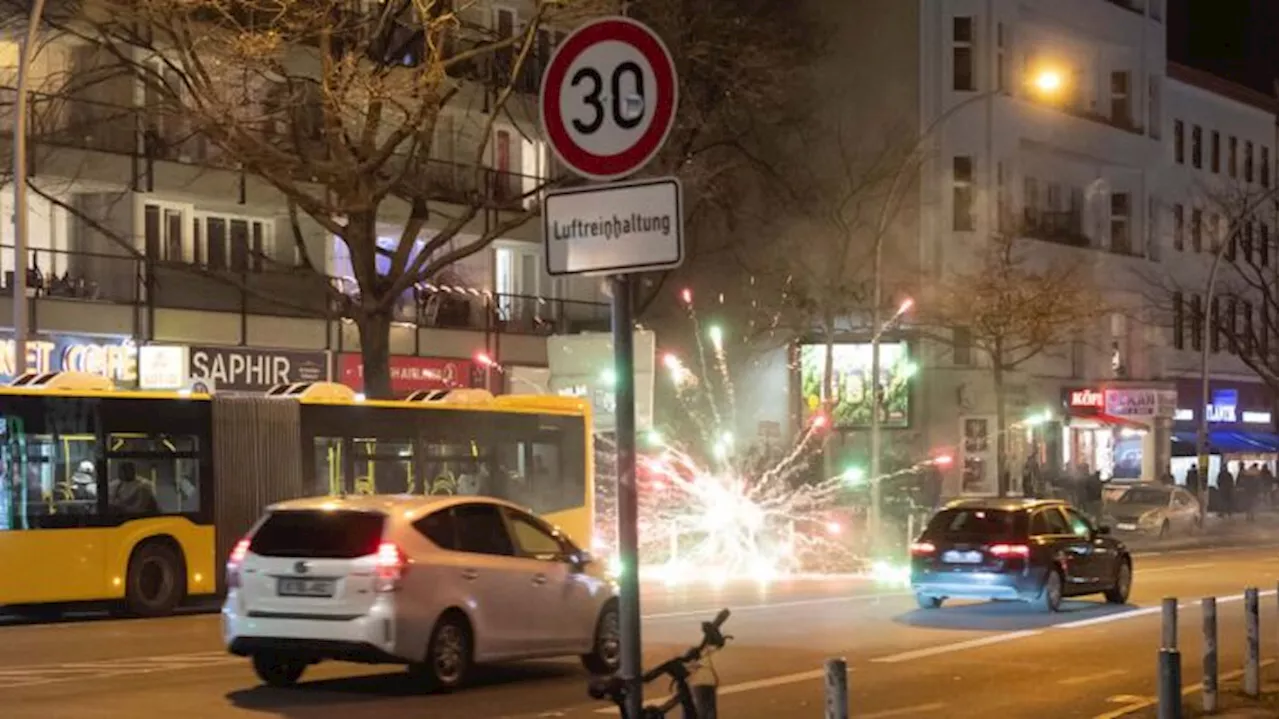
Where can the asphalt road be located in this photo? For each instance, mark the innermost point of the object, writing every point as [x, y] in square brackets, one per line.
[965, 660]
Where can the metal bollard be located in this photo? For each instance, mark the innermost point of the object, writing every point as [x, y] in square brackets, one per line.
[1169, 691]
[1251, 678]
[1169, 623]
[1209, 607]
[837, 689]
[704, 698]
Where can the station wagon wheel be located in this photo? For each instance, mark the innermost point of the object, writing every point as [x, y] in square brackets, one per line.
[1051, 595]
[606, 648]
[1119, 592]
[277, 671]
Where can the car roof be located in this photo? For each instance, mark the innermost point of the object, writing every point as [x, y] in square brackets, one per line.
[1008, 504]
[410, 505]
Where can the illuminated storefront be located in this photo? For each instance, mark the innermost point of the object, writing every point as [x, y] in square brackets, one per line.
[1121, 432]
[112, 356]
[1241, 422]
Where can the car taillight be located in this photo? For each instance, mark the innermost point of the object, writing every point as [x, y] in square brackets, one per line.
[390, 568]
[234, 561]
[922, 548]
[1010, 550]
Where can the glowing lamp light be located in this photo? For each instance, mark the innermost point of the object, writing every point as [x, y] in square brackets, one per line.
[686, 296]
[910, 370]
[833, 528]
[609, 377]
[1048, 81]
[854, 475]
[653, 437]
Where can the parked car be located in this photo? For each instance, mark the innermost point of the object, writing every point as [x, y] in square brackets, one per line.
[1031, 550]
[1153, 509]
[435, 583]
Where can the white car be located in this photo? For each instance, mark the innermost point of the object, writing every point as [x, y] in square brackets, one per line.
[435, 583]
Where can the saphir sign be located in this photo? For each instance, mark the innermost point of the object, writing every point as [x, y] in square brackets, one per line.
[243, 369]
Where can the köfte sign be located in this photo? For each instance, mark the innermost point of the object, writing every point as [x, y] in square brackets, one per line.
[113, 357]
[1087, 398]
[409, 374]
[241, 369]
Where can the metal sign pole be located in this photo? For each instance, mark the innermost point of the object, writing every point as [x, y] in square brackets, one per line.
[628, 541]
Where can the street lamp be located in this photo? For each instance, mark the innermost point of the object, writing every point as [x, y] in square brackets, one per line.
[1046, 83]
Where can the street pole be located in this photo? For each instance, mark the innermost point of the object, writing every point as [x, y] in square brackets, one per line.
[20, 191]
[628, 541]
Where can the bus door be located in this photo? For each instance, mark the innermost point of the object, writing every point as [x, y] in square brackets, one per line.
[50, 545]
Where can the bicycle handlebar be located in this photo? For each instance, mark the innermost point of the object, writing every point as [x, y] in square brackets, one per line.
[614, 687]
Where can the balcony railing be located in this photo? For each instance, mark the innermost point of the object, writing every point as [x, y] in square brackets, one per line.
[59, 121]
[139, 282]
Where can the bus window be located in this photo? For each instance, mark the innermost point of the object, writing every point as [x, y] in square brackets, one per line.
[330, 479]
[48, 480]
[153, 474]
[455, 467]
[383, 466]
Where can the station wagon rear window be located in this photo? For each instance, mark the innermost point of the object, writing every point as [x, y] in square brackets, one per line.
[318, 533]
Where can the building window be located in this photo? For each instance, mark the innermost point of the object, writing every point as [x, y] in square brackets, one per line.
[1197, 322]
[1179, 340]
[962, 74]
[1233, 150]
[240, 244]
[1215, 152]
[1002, 60]
[1197, 230]
[1030, 201]
[1179, 228]
[1179, 153]
[1153, 106]
[1233, 326]
[1246, 332]
[1215, 232]
[1120, 113]
[1121, 242]
[1215, 326]
[1248, 161]
[1246, 241]
[1153, 226]
[961, 346]
[1264, 169]
[1264, 245]
[1196, 137]
[962, 193]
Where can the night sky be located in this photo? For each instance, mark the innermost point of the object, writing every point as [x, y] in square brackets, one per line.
[1235, 39]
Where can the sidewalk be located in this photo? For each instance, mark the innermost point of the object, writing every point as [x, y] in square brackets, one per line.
[1232, 703]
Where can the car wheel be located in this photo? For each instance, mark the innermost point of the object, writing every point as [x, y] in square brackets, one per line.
[449, 654]
[606, 647]
[156, 580]
[927, 602]
[277, 671]
[1051, 594]
[1164, 529]
[1119, 591]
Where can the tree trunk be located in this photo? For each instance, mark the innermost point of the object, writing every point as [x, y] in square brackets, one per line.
[997, 377]
[375, 353]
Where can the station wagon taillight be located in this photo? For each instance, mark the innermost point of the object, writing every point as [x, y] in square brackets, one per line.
[390, 567]
[1004, 551]
[234, 561]
[922, 548]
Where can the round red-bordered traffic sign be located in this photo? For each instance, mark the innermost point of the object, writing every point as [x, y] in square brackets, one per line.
[594, 131]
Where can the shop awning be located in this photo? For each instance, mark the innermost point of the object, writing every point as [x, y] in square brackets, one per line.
[1227, 441]
[1114, 421]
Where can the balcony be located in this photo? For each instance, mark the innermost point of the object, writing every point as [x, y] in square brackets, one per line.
[142, 284]
[62, 122]
[1060, 227]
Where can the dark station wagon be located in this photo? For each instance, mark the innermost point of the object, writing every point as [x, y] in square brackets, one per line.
[1028, 550]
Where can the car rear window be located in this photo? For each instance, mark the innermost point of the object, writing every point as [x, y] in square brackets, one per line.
[318, 533]
[1145, 495]
[976, 522]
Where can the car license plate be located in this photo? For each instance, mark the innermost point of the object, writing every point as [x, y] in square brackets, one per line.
[298, 587]
[954, 557]
[1126, 526]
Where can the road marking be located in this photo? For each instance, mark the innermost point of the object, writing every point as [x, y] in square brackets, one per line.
[1179, 567]
[1136, 703]
[1201, 550]
[1107, 618]
[14, 677]
[1086, 678]
[797, 603]
[903, 711]
[956, 647]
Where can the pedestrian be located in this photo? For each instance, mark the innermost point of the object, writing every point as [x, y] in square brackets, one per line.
[1192, 481]
[1226, 491]
[1246, 490]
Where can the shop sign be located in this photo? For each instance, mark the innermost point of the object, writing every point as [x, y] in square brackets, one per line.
[1086, 398]
[1223, 408]
[1256, 417]
[163, 367]
[242, 369]
[1140, 402]
[114, 357]
[409, 374]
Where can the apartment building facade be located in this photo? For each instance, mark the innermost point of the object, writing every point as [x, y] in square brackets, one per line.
[190, 220]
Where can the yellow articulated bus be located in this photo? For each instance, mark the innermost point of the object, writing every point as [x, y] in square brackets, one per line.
[139, 496]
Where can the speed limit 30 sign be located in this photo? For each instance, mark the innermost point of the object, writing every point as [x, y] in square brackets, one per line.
[608, 98]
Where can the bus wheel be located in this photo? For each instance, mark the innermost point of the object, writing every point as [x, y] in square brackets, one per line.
[156, 581]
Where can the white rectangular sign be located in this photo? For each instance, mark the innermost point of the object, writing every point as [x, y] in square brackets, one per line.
[613, 229]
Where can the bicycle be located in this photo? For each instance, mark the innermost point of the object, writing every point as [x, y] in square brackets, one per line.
[678, 668]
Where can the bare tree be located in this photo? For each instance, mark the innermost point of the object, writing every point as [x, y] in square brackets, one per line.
[1015, 312]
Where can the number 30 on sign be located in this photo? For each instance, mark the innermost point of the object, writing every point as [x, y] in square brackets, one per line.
[608, 98]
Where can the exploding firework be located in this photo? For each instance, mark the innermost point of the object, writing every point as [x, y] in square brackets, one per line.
[715, 508]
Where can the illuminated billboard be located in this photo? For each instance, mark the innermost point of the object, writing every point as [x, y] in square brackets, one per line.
[852, 378]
